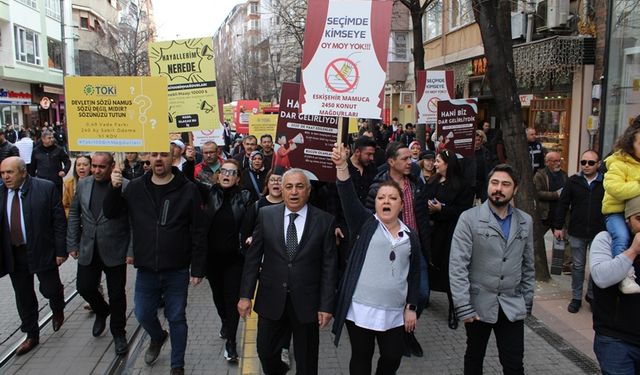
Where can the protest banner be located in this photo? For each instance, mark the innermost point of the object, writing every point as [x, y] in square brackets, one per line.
[432, 86]
[200, 137]
[260, 125]
[457, 125]
[304, 141]
[344, 60]
[191, 77]
[242, 111]
[117, 113]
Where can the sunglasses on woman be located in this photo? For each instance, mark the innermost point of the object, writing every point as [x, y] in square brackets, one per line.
[590, 162]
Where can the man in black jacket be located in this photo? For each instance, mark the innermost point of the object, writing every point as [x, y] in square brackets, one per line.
[582, 196]
[49, 161]
[164, 210]
[33, 242]
[7, 148]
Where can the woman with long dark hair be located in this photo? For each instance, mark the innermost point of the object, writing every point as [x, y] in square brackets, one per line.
[81, 169]
[225, 207]
[447, 197]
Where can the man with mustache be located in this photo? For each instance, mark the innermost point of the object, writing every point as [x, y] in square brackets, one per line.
[491, 274]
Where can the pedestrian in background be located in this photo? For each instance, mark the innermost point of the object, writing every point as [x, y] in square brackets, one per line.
[582, 199]
[49, 161]
[81, 169]
[447, 197]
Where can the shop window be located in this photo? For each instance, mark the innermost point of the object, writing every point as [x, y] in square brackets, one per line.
[432, 21]
[27, 45]
[54, 49]
[460, 14]
[551, 119]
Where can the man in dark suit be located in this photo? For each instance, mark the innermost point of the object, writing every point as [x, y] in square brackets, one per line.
[101, 245]
[33, 242]
[293, 253]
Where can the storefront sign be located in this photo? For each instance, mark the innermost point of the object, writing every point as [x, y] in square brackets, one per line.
[191, 75]
[14, 97]
[525, 100]
[117, 113]
[456, 125]
[345, 58]
[304, 141]
[432, 86]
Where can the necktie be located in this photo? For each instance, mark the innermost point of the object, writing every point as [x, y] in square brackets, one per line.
[292, 236]
[17, 238]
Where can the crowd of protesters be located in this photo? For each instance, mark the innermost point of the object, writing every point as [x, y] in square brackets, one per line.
[403, 219]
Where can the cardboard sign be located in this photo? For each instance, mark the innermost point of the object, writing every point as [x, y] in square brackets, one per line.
[191, 75]
[432, 86]
[456, 125]
[260, 125]
[117, 113]
[344, 61]
[304, 141]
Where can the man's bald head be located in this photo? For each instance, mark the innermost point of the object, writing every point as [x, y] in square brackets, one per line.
[553, 160]
[13, 171]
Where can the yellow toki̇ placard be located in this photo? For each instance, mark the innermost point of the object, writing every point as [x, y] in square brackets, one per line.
[260, 125]
[117, 113]
[191, 82]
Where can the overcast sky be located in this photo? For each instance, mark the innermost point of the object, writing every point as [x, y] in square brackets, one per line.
[183, 19]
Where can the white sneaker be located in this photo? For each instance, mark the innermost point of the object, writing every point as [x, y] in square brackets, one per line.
[628, 285]
[284, 356]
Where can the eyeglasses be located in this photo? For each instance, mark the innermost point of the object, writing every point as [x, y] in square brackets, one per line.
[277, 180]
[590, 162]
[228, 172]
[147, 162]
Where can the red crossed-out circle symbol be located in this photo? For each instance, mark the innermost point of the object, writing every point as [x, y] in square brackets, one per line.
[341, 75]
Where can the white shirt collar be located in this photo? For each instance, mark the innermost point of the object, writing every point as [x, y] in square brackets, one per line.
[301, 213]
[387, 234]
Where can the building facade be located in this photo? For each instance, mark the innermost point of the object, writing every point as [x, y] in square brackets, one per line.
[554, 56]
[32, 61]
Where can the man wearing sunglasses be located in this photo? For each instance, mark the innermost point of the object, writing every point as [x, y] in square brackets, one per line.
[582, 197]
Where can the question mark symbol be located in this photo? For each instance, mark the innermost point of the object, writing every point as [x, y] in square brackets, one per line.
[144, 103]
[132, 89]
[153, 123]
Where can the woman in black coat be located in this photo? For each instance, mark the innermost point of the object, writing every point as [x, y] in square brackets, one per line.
[447, 197]
[225, 207]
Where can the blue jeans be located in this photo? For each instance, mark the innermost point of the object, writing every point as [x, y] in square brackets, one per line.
[579, 254]
[173, 287]
[617, 228]
[616, 357]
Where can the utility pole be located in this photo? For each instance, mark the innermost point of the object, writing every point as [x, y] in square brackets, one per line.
[64, 42]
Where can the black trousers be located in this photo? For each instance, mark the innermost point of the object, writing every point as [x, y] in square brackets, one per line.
[510, 341]
[87, 283]
[224, 278]
[390, 342]
[271, 335]
[26, 300]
